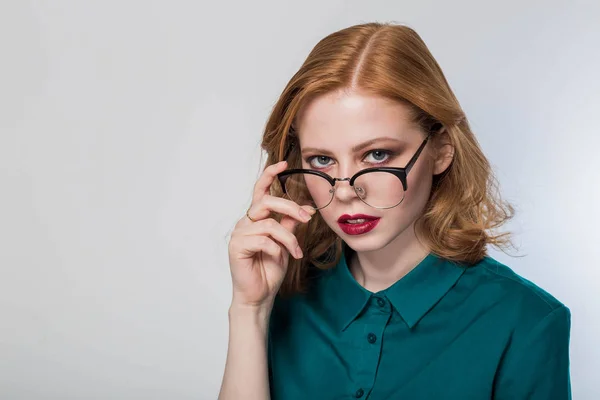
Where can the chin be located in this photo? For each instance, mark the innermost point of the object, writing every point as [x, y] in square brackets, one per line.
[363, 243]
[377, 239]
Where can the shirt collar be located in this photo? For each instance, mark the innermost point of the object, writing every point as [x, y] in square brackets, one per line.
[412, 296]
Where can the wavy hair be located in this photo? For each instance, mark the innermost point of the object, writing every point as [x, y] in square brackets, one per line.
[390, 60]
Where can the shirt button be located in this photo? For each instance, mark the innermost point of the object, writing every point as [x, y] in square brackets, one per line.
[371, 338]
[380, 302]
[359, 393]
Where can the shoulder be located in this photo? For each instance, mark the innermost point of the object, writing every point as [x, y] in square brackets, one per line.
[493, 272]
[535, 333]
[496, 272]
[526, 306]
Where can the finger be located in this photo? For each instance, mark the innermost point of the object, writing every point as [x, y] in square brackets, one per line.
[268, 204]
[256, 244]
[272, 228]
[291, 223]
[265, 181]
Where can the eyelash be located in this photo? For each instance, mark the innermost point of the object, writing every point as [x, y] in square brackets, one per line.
[389, 153]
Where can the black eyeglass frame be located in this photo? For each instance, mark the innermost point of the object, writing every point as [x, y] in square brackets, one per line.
[400, 173]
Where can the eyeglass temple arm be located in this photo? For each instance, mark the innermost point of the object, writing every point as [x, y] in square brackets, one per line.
[414, 158]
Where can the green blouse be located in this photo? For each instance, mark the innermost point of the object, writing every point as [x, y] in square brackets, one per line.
[443, 331]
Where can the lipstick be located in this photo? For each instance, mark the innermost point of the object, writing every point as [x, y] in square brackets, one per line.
[364, 224]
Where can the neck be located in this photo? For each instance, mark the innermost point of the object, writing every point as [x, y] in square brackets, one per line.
[379, 269]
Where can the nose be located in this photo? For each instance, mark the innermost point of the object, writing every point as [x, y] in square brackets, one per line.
[343, 191]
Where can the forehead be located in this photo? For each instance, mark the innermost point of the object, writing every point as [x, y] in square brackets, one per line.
[343, 119]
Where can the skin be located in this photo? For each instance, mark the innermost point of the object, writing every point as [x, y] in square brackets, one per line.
[259, 251]
[338, 121]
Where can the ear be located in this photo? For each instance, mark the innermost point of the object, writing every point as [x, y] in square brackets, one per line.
[443, 151]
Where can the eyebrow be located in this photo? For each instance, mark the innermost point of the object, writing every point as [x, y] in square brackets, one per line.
[356, 148]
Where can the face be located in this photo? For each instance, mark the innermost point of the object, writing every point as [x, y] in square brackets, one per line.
[331, 125]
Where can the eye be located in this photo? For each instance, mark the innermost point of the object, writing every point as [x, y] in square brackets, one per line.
[322, 159]
[380, 155]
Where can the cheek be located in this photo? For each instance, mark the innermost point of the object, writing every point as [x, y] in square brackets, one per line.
[328, 214]
[419, 178]
[417, 194]
[419, 181]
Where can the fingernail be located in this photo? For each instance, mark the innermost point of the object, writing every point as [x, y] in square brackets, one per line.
[305, 215]
[299, 252]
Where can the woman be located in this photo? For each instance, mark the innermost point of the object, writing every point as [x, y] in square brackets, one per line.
[387, 292]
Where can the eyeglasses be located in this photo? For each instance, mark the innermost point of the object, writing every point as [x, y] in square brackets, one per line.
[378, 187]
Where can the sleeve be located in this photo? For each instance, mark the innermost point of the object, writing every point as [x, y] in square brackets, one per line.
[269, 357]
[273, 321]
[539, 368]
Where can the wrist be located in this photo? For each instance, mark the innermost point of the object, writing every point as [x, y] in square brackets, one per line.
[250, 311]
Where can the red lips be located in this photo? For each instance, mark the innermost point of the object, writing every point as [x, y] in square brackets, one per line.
[346, 217]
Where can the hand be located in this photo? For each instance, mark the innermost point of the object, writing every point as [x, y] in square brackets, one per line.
[259, 251]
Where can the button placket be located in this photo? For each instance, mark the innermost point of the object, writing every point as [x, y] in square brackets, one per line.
[375, 319]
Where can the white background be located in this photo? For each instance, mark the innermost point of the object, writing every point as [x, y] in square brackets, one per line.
[129, 146]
